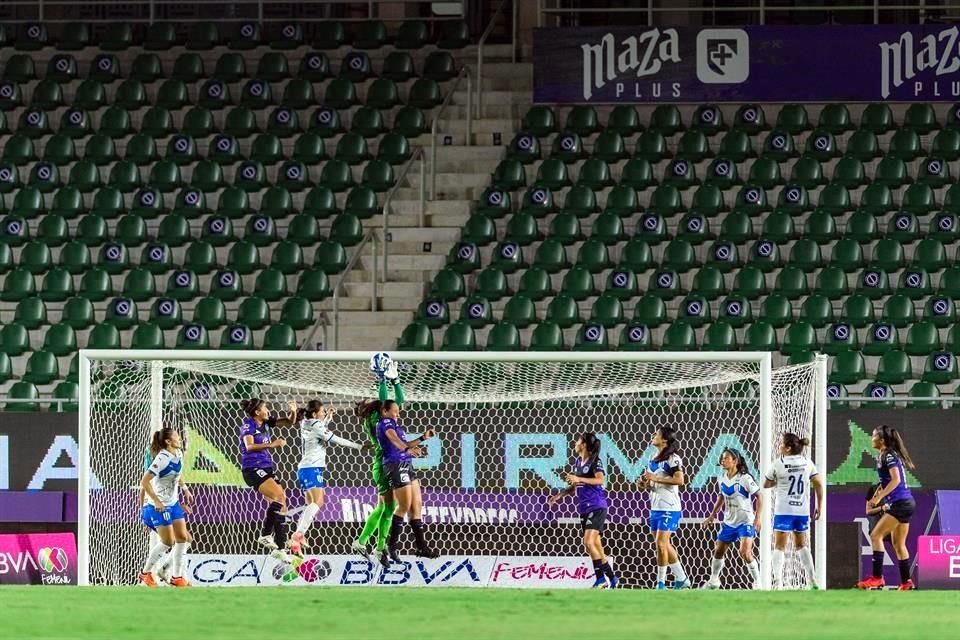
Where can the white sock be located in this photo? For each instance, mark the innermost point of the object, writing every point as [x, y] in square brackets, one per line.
[155, 552]
[716, 566]
[661, 574]
[307, 517]
[754, 568]
[806, 559]
[677, 570]
[777, 566]
[179, 551]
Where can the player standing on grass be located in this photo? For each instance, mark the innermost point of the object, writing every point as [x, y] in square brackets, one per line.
[315, 432]
[161, 565]
[793, 474]
[380, 520]
[897, 504]
[256, 465]
[740, 522]
[663, 478]
[586, 482]
[162, 483]
[398, 454]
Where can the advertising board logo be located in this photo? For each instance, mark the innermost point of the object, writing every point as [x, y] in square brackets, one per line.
[902, 59]
[723, 56]
[643, 55]
[52, 559]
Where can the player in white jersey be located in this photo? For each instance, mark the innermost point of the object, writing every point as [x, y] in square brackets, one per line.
[741, 521]
[315, 432]
[663, 479]
[162, 565]
[793, 474]
[162, 483]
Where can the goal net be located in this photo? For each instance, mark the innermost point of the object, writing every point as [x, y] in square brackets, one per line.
[504, 424]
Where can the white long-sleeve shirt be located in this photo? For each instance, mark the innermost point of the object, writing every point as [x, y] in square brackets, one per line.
[316, 435]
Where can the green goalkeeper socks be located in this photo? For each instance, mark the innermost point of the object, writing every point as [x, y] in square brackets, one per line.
[386, 522]
[371, 525]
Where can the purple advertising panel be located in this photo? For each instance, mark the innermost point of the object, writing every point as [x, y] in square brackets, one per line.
[939, 562]
[862, 63]
[38, 558]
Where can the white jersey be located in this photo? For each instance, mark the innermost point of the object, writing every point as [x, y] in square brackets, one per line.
[167, 468]
[738, 493]
[665, 497]
[316, 435]
[792, 494]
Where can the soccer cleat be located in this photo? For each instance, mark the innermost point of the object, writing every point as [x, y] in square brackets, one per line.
[599, 583]
[281, 556]
[177, 581]
[710, 585]
[907, 586]
[268, 543]
[427, 552]
[164, 574]
[362, 550]
[661, 586]
[614, 582]
[814, 587]
[393, 554]
[148, 579]
[681, 584]
[871, 583]
[384, 559]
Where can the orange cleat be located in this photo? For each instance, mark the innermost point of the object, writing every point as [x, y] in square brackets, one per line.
[907, 586]
[179, 582]
[148, 579]
[871, 583]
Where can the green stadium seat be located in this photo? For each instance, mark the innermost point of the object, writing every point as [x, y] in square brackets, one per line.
[881, 337]
[709, 119]
[23, 397]
[940, 310]
[210, 313]
[57, 285]
[624, 120]
[17, 285]
[835, 118]
[60, 339]
[777, 310]
[878, 118]
[193, 336]
[679, 174]
[547, 336]
[459, 336]
[290, 36]
[888, 255]
[840, 336]
[271, 285]
[637, 256]
[849, 173]
[817, 310]
[580, 202]
[31, 313]
[607, 310]
[899, 311]
[709, 283]
[652, 146]
[914, 283]
[934, 172]
[749, 283]
[807, 173]
[831, 281]
[650, 311]
[847, 367]
[666, 119]
[591, 337]
[779, 146]
[778, 227]
[694, 310]
[321, 203]
[75, 257]
[78, 313]
[821, 227]
[922, 339]
[433, 313]
[921, 118]
[873, 283]
[665, 284]
[35, 257]
[720, 336]
[799, 336]
[793, 118]
[578, 283]
[679, 336]
[925, 396]
[765, 255]
[894, 367]
[822, 146]
[416, 337]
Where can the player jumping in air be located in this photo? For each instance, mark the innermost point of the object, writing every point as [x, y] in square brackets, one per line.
[586, 482]
[896, 502]
[792, 474]
[258, 472]
[398, 454]
[381, 520]
[162, 484]
[663, 478]
[740, 522]
[315, 432]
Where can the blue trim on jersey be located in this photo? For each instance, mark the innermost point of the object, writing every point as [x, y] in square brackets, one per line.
[664, 520]
[310, 478]
[798, 524]
[729, 535]
[153, 518]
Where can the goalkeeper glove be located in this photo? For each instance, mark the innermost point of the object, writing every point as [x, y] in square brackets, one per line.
[392, 373]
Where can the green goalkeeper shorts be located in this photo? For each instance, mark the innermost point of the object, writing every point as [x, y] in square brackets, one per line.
[380, 479]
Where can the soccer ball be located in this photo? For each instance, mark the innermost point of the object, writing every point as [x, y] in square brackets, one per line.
[380, 362]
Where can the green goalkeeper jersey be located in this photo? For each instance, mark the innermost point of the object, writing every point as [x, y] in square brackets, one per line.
[370, 425]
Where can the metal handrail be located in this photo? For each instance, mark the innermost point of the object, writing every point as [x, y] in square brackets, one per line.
[418, 154]
[370, 236]
[321, 323]
[483, 40]
[464, 72]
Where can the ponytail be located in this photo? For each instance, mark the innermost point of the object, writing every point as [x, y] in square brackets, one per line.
[250, 406]
[159, 440]
[742, 468]
[592, 444]
[310, 410]
[794, 443]
[669, 435]
[893, 440]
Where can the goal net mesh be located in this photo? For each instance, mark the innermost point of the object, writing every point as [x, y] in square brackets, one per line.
[503, 443]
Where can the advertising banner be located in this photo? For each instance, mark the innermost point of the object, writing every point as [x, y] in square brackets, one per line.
[939, 562]
[854, 63]
[38, 558]
[446, 571]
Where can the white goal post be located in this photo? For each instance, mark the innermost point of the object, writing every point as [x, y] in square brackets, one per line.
[504, 422]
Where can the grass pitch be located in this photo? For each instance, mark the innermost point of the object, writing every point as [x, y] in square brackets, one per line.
[468, 614]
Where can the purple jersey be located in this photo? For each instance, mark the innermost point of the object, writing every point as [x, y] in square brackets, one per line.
[889, 460]
[261, 435]
[390, 452]
[590, 497]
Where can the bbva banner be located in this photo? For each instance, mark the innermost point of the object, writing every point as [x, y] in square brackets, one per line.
[750, 64]
[352, 571]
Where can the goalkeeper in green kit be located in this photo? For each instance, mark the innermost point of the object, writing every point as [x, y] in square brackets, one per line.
[379, 522]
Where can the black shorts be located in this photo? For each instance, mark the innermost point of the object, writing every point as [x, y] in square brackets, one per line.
[902, 510]
[595, 520]
[399, 474]
[256, 477]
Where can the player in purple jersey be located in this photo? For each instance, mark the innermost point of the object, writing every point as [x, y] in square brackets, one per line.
[256, 465]
[398, 454]
[896, 501]
[586, 482]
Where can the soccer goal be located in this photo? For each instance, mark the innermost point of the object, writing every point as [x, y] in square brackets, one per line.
[504, 424]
